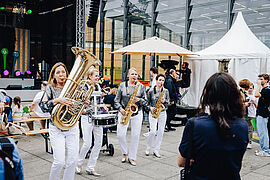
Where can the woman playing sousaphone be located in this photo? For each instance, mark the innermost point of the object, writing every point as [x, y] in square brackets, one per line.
[88, 128]
[158, 98]
[129, 95]
[60, 139]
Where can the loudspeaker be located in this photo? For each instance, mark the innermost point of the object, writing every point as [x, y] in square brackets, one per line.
[14, 87]
[93, 13]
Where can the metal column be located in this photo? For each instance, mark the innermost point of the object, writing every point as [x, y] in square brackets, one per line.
[112, 49]
[125, 39]
[129, 42]
[143, 57]
[157, 56]
[80, 23]
[101, 36]
[154, 15]
[170, 40]
[94, 40]
[181, 59]
[188, 24]
[230, 14]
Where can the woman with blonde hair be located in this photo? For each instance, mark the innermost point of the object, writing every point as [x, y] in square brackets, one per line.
[89, 129]
[124, 93]
[60, 139]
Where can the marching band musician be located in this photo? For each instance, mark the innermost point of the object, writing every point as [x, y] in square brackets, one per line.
[88, 127]
[122, 98]
[60, 139]
[153, 96]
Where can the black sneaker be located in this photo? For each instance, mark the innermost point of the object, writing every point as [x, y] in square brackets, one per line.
[172, 129]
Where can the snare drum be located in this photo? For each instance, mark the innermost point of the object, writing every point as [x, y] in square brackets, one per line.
[106, 120]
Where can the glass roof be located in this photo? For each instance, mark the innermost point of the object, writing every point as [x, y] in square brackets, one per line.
[209, 17]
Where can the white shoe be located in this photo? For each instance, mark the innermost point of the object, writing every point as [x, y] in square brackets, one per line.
[262, 154]
[249, 146]
[156, 153]
[124, 159]
[147, 152]
[132, 162]
[78, 170]
[94, 173]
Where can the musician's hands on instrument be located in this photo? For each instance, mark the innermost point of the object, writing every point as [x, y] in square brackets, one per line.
[172, 102]
[86, 103]
[63, 101]
[123, 112]
[84, 111]
[136, 100]
[152, 109]
[162, 100]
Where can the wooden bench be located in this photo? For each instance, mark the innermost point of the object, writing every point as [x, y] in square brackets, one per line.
[43, 132]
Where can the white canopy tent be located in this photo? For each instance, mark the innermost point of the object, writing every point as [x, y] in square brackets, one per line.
[248, 58]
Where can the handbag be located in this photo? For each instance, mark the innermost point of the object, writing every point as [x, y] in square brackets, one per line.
[185, 172]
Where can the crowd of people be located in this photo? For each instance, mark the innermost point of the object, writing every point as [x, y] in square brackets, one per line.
[215, 141]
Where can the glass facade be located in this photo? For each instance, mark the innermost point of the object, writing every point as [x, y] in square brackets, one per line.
[209, 24]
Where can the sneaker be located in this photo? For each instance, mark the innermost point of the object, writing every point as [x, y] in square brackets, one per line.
[156, 153]
[78, 170]
[249, 146]
[147, 152]
[262, 154]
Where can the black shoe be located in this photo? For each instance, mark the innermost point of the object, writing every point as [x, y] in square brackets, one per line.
[166, 130]
[172, 129]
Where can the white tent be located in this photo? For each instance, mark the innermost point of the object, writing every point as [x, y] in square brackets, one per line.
[248, 58]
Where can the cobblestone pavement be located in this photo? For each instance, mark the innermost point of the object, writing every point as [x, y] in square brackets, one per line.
[37, 162]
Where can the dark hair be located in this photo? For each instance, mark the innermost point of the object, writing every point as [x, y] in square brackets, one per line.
[244, 83]
[17, 101]
[160, 75]
[186, 64]
[265, 77]
[224, 100]
[154, 70]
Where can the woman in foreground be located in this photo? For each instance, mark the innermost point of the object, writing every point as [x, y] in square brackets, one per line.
[214, 144]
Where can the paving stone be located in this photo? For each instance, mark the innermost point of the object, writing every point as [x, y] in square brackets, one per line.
[37, 162]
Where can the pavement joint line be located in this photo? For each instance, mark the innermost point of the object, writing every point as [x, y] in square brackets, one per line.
[35, 155]
[177, 175]
[253, 171]
[141, 174]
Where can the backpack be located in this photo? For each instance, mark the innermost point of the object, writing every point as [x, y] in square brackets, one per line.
[6, 156]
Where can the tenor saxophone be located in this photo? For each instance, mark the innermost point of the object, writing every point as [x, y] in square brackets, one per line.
[159, 106]
[131, 107]
[65, 117]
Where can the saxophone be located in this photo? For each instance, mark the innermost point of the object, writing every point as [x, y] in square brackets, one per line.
[131, 107]
[65, 117]
[159, 106]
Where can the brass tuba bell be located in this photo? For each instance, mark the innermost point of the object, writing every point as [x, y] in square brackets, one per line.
[65, 117]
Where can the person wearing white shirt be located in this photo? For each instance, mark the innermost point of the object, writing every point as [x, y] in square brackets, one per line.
[252, 106]
[35, 110]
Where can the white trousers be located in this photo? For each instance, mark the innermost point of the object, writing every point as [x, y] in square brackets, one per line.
[87, 130]
[161, 121]
[136, 124]
[60, 141]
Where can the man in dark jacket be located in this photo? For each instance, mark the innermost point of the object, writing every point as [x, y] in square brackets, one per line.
[170, 85]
